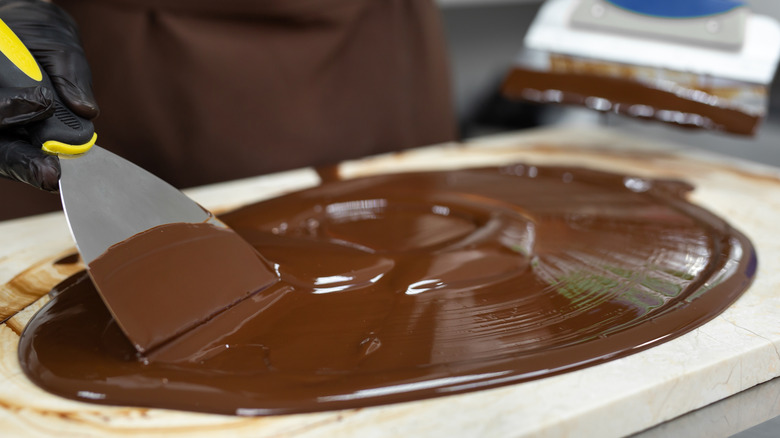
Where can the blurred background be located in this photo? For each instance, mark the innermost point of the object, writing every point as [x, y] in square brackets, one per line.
[484, 38]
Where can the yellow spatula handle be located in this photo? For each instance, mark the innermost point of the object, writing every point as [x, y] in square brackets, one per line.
[64, 132]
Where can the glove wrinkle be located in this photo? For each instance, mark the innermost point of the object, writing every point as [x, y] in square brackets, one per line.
[46, 173]
[21, 161]
[23, 105]
[80, 100]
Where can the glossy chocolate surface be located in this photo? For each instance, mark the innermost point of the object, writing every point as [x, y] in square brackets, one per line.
[167, 280]
[401, 287]
[689, 109]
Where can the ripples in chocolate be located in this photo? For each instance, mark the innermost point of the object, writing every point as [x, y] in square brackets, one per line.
[400, 287]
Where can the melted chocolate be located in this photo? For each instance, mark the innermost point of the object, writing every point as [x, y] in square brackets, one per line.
[162, 282]
[68, 259]
[629, 97]
[401, 287]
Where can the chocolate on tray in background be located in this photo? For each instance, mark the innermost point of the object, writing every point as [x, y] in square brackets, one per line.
[693, 64]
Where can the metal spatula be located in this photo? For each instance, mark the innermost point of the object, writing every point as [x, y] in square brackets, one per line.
[108, 200]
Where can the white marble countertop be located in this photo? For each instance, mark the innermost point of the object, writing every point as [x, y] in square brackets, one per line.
[733, 352]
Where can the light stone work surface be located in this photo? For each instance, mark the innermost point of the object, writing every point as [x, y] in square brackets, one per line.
[735, 351]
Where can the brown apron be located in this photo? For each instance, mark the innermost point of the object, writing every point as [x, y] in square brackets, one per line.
[199, 91]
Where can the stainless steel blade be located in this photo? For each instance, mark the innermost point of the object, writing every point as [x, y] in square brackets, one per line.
[108, 199]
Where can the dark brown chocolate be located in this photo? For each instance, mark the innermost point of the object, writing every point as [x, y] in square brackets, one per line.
[167, 280]
[401, 287]
[69, 259]
[628, 97]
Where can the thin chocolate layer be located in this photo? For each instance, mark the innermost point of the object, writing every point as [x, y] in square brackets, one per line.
[692, 109]
[401, 287]
[166, 280]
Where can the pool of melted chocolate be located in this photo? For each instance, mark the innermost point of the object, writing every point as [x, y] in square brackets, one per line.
[400, 287]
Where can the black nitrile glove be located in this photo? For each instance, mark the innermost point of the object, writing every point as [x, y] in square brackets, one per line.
[52, 37]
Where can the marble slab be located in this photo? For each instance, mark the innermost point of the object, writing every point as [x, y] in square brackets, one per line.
[735, 351]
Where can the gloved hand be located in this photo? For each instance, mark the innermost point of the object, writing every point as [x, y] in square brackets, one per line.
[52, 38]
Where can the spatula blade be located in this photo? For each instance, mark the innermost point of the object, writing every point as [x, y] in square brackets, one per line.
[161, 263]
[108, 199]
